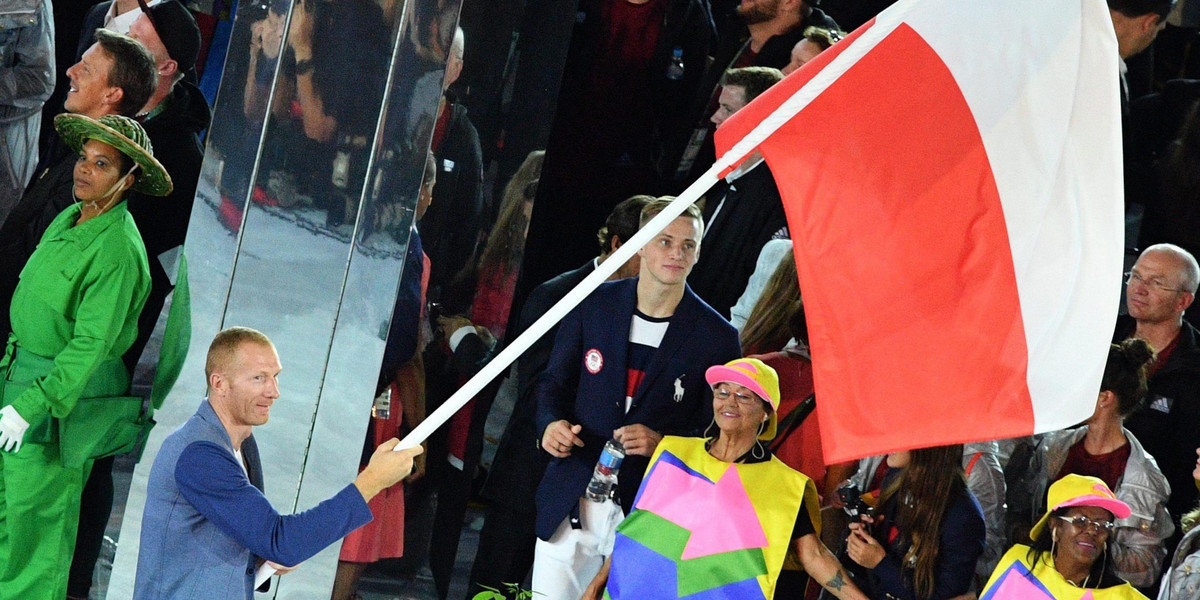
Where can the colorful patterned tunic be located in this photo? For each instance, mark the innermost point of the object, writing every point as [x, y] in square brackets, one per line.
[1013, 580]
[705, 529]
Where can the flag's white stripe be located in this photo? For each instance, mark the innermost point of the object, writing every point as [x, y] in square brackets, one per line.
[1047, 107]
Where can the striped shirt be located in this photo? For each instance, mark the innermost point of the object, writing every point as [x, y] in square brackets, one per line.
[645, 335]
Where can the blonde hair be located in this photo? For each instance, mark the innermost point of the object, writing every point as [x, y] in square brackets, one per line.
[223, 348]
[767, 328]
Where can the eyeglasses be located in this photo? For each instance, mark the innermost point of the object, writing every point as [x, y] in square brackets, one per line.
[1081, 522]
[724, 394]
[1156, 283]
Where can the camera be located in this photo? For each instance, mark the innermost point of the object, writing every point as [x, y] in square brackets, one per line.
[852, 500]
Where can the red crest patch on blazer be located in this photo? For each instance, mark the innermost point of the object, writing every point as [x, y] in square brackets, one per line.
[593, 360]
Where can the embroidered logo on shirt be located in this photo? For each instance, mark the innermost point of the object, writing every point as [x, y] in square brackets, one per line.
[593, 360]
[679, 388]
[1162, 404]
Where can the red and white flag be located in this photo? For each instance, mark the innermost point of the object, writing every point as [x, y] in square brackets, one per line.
[952, 178]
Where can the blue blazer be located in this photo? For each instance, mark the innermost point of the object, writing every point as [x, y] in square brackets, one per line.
[696, 339]
[206, 520]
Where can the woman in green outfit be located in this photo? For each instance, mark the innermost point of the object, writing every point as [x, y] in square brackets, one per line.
[74, 313]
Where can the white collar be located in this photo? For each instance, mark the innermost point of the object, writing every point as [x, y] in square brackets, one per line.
[742, 169]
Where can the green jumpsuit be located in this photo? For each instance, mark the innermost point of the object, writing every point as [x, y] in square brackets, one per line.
[74, 313]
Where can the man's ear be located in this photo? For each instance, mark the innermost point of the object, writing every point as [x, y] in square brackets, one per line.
[1149, 22]
[1185, 300]
[216, 381]
[113, 96]
[614, 242]
[168, 69]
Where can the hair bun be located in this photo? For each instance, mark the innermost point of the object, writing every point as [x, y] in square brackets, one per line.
[1137, 351]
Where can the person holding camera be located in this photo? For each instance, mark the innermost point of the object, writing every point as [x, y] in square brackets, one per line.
[927, 532]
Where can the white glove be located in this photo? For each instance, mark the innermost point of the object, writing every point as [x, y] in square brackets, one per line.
[12, 429]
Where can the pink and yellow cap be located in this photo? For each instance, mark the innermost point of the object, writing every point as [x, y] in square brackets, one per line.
[1079, 490]
[758, 377]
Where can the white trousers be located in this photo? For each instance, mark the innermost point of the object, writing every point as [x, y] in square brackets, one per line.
[564, 566]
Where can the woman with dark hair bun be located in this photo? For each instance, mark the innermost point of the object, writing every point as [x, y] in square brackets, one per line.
[929, 531]
[1104, 449]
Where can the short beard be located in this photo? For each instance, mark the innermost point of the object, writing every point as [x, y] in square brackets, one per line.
[757, 12]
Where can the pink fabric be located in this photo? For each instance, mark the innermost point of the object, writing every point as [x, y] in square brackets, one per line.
[1016, 587]
[383, 537]
[720, 516]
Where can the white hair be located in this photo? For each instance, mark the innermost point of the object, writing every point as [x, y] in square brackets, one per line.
[1190, 270]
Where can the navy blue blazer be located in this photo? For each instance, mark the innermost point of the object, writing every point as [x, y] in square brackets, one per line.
[696, 339]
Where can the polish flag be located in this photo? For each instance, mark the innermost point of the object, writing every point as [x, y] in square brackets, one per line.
[952, 178]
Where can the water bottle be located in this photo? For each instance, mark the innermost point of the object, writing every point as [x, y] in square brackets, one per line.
[605, 475]
[675, 69]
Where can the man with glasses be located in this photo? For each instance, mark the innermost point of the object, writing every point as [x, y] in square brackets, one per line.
[1161, 285]
[628, 364]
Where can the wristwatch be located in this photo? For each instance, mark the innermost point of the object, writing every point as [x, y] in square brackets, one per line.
[304, 66]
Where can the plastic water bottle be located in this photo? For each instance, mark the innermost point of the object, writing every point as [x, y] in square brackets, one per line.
[605, 475]
[675, 69]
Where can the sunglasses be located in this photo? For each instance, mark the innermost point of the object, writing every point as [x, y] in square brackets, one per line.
[1081, 522]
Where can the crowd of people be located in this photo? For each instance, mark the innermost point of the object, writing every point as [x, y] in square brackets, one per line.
[692, 360]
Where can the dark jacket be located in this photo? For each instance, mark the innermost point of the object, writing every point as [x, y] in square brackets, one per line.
[450, 229]
[1169, 424]
[750, 216]
[48, 194]
[961, 544]
[687, 26]
[696, 339]
[520, 462]
[175, 134]
[93, 21]
[735, 39]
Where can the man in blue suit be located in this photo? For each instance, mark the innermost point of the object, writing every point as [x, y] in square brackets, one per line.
[207, 526]
[628, 364]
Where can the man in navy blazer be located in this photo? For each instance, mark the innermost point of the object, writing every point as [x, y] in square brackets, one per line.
[628, 364]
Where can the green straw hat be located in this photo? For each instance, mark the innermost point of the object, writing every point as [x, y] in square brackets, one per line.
[124, 134]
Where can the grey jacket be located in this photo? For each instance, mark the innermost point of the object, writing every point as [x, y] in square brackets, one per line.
[26, 57]
[1182, 581]
[1136, 548]
[26, 81]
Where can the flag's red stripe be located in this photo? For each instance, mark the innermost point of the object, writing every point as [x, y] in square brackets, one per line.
[904, 259]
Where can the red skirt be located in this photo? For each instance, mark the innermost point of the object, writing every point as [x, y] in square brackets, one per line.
[383, 537]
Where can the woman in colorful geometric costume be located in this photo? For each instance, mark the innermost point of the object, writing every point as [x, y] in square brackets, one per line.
[1067, 559]
[74, 314]
[717, 518]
